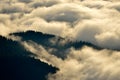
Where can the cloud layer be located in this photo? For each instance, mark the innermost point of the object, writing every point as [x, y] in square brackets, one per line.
[95, 21]
[92, 21]
[86, 63]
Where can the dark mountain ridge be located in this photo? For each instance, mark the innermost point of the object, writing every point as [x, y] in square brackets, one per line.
[15, 63]
[45, 41]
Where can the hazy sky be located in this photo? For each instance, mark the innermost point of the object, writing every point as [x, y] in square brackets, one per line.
[92, 21]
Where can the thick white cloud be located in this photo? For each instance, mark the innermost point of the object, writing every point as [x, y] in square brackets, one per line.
[103, 33]
[41, 53]
[84, 64]
[95, 21]
[62, 12]
[88, 64]
[92, 21]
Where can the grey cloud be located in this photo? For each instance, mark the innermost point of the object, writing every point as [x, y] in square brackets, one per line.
[46, 3]
[14, 8]
[115, 6]
[87, 32]
[64, 12]
[95, 4]
[26, 1]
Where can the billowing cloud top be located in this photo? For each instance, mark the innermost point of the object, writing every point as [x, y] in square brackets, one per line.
[93, 21]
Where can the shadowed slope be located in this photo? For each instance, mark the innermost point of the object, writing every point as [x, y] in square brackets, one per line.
[15, 63]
